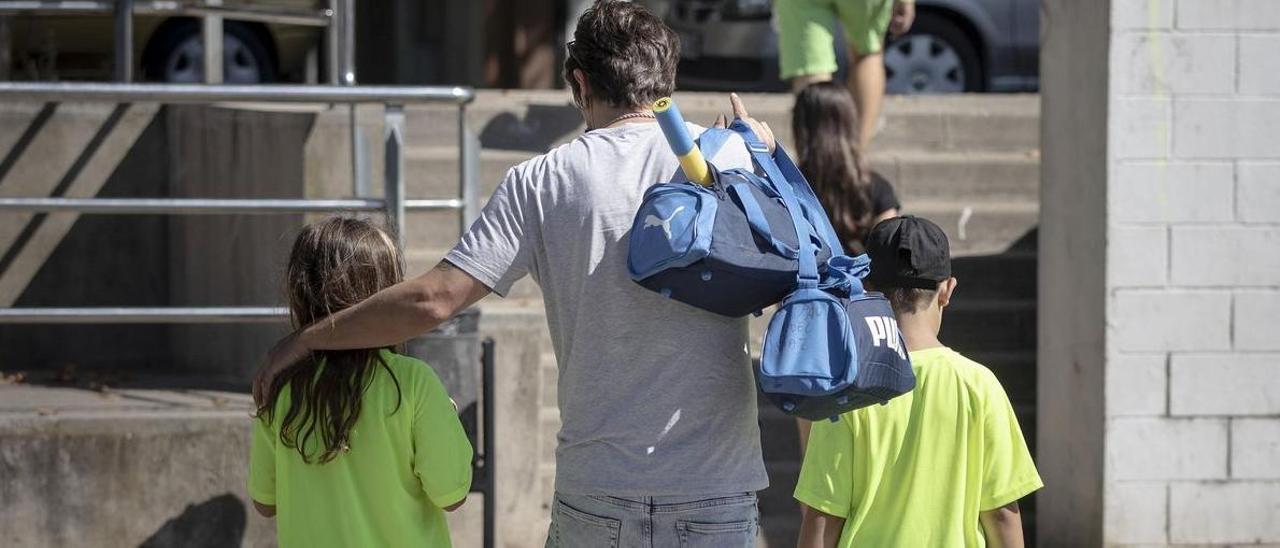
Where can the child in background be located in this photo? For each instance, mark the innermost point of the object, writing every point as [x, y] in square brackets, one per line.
[943, 465]
[824, 124]
[356, 447]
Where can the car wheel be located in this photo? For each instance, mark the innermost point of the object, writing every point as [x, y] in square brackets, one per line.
[935, 56]
[176, 54]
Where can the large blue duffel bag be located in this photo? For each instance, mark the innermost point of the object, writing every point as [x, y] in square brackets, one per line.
[730, 248]
[749, 241]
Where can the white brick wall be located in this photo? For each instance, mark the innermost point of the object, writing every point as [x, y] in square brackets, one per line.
[1192, 445]
[1255, 448]
[1224, 512]
[1258, 189]
[1137, 512]
[1224, 384]
[1139, 449]
[1226, 127]
[1163, 192]
[1228, 15]
[1257, 320]
[1259, 64]
[1238, 256]
[1154, 320]
[1174, 63]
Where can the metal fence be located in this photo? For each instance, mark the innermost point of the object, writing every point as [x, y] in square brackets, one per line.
[394, 204]
[338, 19]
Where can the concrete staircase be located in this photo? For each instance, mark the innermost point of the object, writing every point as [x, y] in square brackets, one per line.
[969, 163]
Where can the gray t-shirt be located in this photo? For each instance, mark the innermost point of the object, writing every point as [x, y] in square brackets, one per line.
[656, 397]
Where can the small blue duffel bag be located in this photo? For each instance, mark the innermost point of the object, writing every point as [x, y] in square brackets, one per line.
[730, 248]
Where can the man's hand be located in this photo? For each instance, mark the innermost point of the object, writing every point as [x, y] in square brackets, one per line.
[904, 14]
[759, 128]
[285, 353]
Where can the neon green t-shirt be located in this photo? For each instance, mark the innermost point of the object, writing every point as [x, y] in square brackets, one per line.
[918, 470]
[390, 488]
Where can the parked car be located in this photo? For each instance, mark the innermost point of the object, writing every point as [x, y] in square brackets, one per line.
[47, 45]
[954, 46]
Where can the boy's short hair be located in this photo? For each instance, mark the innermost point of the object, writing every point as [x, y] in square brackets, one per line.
[909, 300]
[628, 54]
[910, 256]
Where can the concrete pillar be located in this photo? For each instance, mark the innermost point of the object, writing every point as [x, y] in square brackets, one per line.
[1071, 315]
[1159, 378]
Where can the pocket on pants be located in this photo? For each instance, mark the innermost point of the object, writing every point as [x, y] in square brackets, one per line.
[577, 529]
[695, 534]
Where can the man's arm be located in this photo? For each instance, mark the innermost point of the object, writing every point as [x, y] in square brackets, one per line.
[391, 316]
[818, 530]
[1003, 526]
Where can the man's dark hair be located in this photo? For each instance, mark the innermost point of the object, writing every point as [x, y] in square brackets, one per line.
[628, 54]
[907, 300]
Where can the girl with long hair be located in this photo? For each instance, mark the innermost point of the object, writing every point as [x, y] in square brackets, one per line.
[355, 447]
[824, 124]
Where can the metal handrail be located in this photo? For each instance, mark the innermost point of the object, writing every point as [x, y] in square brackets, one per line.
[135, 315]
[394, 204]
[337, 18]
[229, 93]
[211, 206]
[300, 17]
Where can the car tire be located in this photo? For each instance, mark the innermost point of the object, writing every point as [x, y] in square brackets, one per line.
[175, 54]
[935, 56]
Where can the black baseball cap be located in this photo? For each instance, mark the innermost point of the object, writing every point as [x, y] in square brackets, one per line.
[908, 251]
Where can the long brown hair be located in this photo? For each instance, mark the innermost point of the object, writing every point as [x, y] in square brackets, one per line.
[334, 264]
[824, 123]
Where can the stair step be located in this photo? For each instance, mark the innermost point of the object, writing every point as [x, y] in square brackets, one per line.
[537, 120]
[1009, 275]
[937, 175]
[432, 172]
[990, 325]
[980, 228]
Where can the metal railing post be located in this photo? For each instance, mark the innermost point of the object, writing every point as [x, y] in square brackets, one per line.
[333, 44]
[211, 32]
[348, 20]
[124, 41]
[490, 460]
[468, 166]
[393, 122]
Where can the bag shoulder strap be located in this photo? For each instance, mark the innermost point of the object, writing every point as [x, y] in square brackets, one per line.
[807, 278]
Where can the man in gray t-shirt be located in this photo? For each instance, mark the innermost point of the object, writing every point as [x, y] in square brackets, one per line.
[660, 440]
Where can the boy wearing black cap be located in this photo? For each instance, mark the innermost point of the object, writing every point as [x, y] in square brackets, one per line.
[943, 465]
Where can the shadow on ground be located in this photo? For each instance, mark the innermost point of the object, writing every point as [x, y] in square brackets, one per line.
[215, 523]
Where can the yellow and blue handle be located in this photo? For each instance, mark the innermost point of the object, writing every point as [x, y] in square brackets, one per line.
[672, 123]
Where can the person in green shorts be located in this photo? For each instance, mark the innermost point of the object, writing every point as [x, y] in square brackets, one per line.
[943, 465]
[357, 447]
[806, 36]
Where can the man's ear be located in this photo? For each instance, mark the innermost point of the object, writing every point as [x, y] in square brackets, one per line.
[584, 87]
[945, 290]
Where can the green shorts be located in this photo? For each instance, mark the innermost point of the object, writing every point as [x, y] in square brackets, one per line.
[806, 32]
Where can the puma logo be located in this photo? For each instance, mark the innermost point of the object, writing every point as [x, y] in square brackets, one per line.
[654, 220]
[884, 332]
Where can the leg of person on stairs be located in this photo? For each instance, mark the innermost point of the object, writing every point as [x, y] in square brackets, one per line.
[866, 81]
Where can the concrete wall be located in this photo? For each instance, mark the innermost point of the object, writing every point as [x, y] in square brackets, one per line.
[1071, 311]
[1190, 375]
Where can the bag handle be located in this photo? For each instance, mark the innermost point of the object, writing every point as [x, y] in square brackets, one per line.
[807, 278]
[809, 201]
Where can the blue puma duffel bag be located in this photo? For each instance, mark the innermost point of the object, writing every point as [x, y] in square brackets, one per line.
[729, 248]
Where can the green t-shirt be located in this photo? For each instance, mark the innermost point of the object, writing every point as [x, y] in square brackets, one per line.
[390, 488]
[919, 470]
